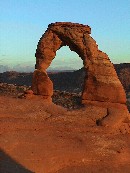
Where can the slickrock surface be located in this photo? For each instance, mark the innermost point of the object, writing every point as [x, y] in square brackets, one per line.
[45, 138]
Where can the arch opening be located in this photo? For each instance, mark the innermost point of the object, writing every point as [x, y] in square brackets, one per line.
[66, 60]
[67, 74]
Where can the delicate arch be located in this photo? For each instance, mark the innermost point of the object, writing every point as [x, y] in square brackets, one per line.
[101, 82]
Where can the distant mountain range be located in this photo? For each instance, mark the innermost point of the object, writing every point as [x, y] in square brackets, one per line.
[27, 68]
[4, 68]
[18, 68]
[59, 69]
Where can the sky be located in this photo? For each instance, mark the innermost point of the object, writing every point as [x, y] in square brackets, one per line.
[22, 23]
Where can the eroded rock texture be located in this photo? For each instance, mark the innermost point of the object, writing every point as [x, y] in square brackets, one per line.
[101, 82]
[39, 137]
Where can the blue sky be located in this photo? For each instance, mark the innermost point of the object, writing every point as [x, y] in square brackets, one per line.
[22, 23]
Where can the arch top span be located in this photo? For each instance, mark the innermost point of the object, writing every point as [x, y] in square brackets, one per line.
[101, 82]
[82, 28]
[61, 34]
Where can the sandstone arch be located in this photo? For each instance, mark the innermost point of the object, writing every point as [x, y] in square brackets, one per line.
[101, 83]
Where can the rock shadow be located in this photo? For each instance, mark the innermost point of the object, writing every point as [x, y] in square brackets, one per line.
[9, 165]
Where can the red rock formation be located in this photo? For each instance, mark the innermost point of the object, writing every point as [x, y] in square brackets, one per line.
[101, 82]
[42, 85]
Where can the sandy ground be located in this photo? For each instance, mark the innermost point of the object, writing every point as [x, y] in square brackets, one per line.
[40, 137]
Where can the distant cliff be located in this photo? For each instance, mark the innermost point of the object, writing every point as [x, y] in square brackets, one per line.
[123, 72]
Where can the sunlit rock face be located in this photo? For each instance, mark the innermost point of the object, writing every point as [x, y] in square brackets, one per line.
[101, 82]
